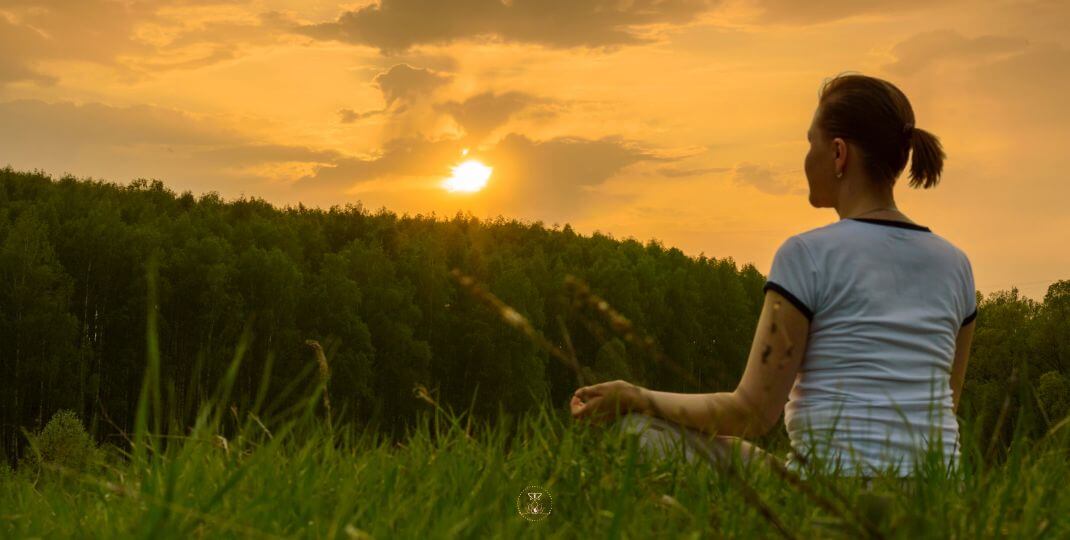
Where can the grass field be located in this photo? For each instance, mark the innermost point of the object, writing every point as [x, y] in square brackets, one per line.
[274, 471]
[450, 479]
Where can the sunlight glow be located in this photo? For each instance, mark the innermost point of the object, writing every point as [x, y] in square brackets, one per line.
[469, 176]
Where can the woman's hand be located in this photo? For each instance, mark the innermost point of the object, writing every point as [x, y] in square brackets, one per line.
[603, 402]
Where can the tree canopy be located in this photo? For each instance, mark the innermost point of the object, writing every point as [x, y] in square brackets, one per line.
[375, 289]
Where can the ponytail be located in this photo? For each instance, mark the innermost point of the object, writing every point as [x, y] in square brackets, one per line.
[928, 159]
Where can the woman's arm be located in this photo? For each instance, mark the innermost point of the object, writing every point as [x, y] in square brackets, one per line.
[962, 357]
[757, 402]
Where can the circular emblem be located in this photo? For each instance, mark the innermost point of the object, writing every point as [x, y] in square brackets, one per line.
[534, 503]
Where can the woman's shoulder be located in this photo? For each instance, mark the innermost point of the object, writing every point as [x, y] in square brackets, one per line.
[819, 236]
[836, 232]
[828, 243]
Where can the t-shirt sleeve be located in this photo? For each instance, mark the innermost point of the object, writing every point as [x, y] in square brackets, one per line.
[971, 294]
[794, 275]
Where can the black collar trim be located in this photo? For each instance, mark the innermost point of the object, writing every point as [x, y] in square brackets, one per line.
[893, 223]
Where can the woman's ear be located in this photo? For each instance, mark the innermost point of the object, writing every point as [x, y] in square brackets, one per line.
[839, 149]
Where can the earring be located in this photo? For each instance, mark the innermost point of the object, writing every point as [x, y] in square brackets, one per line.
[839, 174]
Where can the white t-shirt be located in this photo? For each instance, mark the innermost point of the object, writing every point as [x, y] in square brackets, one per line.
[885, 300]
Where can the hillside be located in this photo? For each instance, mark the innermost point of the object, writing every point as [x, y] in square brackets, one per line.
[376, 290]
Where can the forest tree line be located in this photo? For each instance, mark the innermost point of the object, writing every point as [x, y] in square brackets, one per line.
[375, 289]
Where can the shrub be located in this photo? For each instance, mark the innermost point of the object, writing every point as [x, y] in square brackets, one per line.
[1053, 390]
[63, 442]
[6, 473]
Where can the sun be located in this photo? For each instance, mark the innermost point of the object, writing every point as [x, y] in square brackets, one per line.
[470, 176]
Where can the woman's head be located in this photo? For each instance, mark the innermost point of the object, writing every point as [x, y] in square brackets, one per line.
[864, 126]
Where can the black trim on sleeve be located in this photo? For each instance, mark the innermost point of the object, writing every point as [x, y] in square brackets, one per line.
[893, 223]
[791, 298]
[969, 318]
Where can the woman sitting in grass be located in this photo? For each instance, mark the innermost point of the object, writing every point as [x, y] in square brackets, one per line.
[865, 330]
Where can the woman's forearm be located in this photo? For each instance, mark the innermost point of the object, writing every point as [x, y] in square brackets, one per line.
[720, 413]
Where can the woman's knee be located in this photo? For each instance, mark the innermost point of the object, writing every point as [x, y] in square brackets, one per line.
[662, 438]
[633, 422]
[657, 438]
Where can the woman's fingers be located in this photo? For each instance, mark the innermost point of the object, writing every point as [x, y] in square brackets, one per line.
[600, 402]
[587, 401]
[584, 409]
[587, 392]
[576, 405]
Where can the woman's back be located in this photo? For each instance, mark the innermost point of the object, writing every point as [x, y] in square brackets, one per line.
[886, 300]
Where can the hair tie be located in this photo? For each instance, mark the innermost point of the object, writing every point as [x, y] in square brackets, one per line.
[908, 128]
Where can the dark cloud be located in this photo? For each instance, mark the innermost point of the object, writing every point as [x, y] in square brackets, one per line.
[764, 179]
[403, 82]
[443, 63]
[794, 12]
[403, 156]
[481, 114]
[396, 25]
[348, 116]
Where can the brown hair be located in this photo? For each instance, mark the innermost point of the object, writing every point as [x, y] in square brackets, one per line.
[877, 117]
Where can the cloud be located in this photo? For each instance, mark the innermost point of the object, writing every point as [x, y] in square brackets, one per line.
[558, 179]
[402, 156]
[764, 179]
[394, 26]
[14, 70]
[91, 30]
[930, 48]
[198, 40]
[403, 82]
[482, 113]
[13, 64]
[136, 39]
[88, 30]
[348, 116]
[1041, 72]
[65, 124]
[120, 143]
[252, 153]
[672, 172]
[554, 179]
[1018, 80]
[793, 12]
[262, 29]
[408, 95]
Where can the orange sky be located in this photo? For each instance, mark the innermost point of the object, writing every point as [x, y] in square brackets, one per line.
[682, 120]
